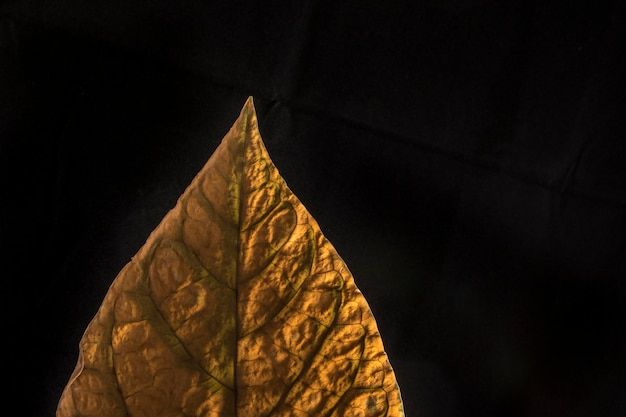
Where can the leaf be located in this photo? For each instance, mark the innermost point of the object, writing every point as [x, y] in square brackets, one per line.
[236, 305]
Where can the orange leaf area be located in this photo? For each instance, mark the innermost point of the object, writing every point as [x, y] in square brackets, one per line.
[236, 305]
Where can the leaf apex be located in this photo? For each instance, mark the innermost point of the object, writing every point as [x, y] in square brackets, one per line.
[248, 110]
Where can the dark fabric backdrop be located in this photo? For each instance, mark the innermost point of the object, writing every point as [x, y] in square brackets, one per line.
[467, 158]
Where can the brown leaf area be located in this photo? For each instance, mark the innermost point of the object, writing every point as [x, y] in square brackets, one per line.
[236, 305]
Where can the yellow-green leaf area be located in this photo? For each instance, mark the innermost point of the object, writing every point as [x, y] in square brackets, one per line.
[236, 305]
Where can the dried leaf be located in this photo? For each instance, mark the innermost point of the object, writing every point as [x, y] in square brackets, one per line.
[237, 305]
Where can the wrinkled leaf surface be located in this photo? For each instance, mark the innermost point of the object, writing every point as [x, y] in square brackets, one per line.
[237, 305]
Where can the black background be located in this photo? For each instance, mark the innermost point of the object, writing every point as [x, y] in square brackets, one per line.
[467, 158]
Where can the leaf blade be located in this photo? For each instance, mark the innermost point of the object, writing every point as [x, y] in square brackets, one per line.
[237, 305]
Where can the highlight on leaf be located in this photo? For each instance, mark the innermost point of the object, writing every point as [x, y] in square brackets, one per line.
[236, 305]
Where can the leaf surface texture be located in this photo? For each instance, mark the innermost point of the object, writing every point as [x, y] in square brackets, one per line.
[236, 305]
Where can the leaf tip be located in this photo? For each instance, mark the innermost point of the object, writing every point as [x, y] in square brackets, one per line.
[248, 107]
[247, 121]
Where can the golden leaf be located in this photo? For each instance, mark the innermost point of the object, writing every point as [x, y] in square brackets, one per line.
[236, 305]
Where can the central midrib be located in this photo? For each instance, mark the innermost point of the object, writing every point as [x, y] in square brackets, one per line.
[245, 132]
